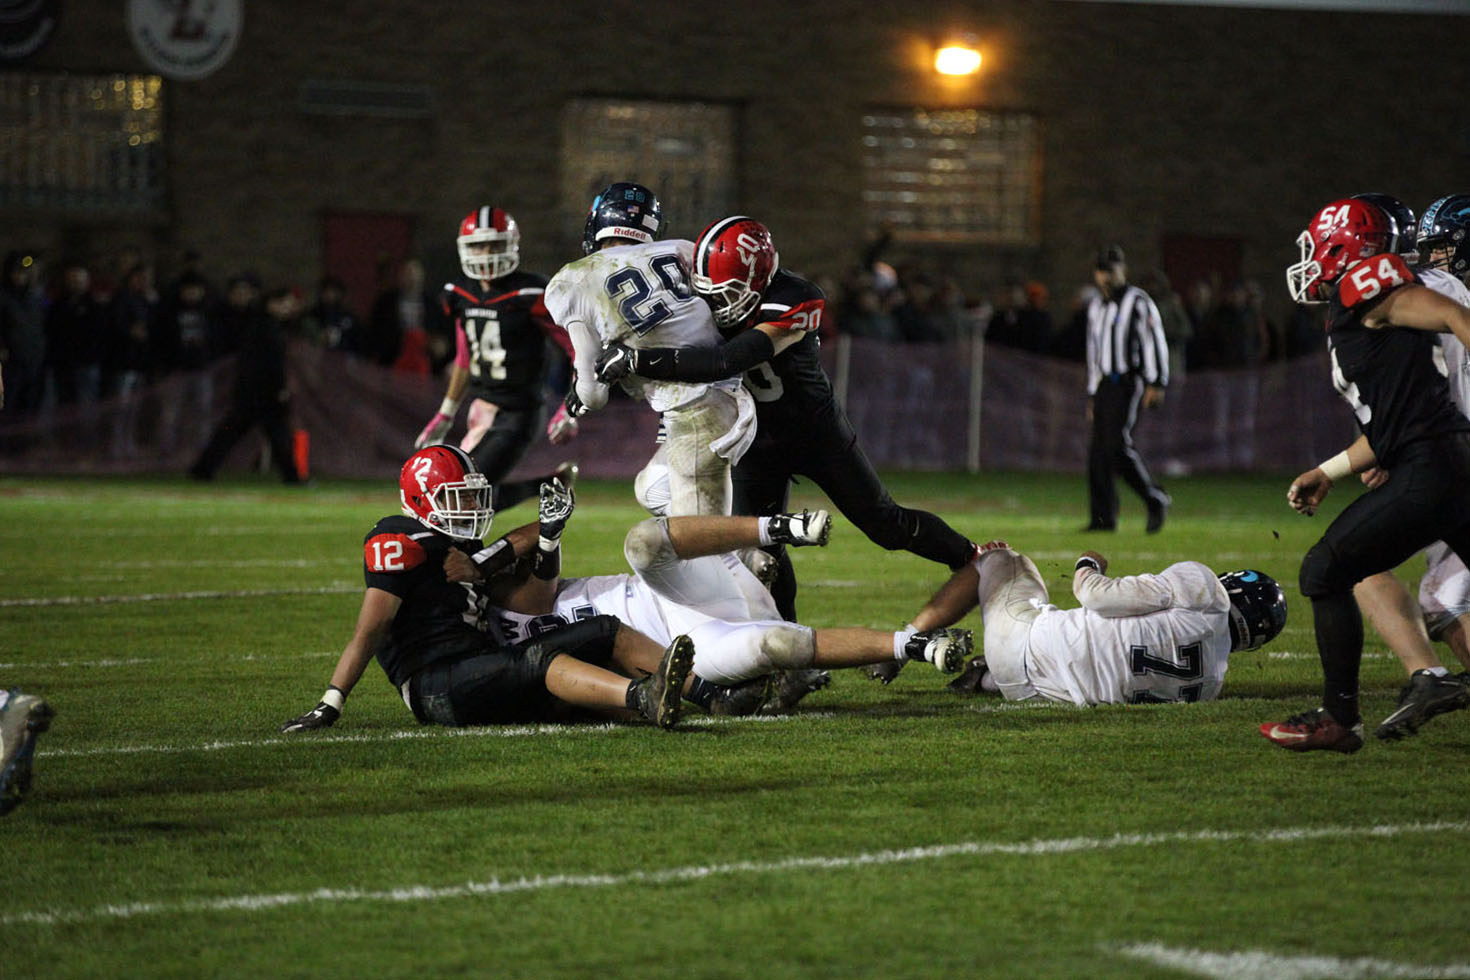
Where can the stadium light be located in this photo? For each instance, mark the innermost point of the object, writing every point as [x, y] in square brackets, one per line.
[957, 58]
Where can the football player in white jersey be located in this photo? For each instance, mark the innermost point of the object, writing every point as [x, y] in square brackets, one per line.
[688, 579]
[1444, 592]
[632, 289]
[1136, 639]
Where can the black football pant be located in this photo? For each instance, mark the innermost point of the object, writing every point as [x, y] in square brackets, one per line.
[273, 416]
[826, 451]
[1423, 501]
[501, 448]
[1114, 412]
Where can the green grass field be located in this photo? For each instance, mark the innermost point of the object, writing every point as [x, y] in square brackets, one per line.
[899, 831]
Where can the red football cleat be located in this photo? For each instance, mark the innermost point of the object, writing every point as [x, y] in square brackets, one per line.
[1312, 730]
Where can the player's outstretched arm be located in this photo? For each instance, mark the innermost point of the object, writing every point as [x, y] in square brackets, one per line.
[696, 364]
[1420, 308]
[1309, 489]
[373, 620]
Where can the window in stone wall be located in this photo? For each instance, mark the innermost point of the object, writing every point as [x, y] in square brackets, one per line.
[75, 141]
[953, 175]
[683, 151]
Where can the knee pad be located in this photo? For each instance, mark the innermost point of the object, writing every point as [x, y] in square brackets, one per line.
[789, 647]
[651, 488]
[648, 545]
[1317, 578]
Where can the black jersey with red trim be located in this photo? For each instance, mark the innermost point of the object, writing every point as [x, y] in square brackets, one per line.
[1395, 378]
[791, 388]
[505, 326]
[438, 618]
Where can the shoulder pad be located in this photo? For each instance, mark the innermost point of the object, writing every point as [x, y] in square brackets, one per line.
[393, 551]
[1374, 278]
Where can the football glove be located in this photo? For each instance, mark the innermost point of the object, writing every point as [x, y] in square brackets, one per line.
[435, 431]
[324, 715]
[573, 402]
[561, 428]
[557, 504]
[616, 362]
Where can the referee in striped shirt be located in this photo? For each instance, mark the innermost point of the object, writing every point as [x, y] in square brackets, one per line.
[1127, 364]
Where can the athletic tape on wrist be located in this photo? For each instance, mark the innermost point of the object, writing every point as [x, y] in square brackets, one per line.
[448, 407]
[1086, 562]
[1337, 467]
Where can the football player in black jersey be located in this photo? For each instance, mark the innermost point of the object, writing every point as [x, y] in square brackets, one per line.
[434, 639]
[769, 317]
[501, 327]
[1389, 367]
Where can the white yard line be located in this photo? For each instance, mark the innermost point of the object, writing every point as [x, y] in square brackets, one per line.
[89, 600]
[212, 655]
[402, 734]
[494, 886]
[1261, 965]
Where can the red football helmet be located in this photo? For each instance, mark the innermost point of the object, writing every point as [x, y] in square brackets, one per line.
[489, 243]
[734, 261]
[440, 486]
[1340, 236]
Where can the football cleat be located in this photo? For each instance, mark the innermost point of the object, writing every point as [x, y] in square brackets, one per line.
[788, 687]
[738, 700]
[971, 678]
[1421, 699]
[660, 695]
[22, 718]
[567, 474]
[885, 672]
[801, 530]
[946, 649]
[1312, 730]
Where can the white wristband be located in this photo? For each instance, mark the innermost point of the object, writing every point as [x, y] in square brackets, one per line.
[548, 545]
[335, 698]
[1337, 467]
[448, 407]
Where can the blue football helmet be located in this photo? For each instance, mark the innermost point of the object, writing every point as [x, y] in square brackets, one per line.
[1445, 226]
[1257, 608]
[622, 210]
[1400, 221]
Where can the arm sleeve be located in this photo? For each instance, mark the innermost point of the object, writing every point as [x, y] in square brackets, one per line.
[1113, 598]
[558, 334]
[706, 363]
[1155, 348]
[495, 557]
[461, 346]
[587, 345]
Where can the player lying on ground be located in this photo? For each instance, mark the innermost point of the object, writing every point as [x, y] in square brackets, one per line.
[22, 718]
[433, 639]
[1136, 639]
[688, 580]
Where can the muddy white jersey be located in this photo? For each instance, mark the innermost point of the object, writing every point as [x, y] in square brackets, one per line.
[1135, 639]
[1457, 360]
[638, 295]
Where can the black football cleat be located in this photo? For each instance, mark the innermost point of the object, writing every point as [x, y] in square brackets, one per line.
[1421, 699]
[660, 695]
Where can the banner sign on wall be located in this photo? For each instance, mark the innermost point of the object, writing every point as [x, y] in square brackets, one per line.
[185, 39]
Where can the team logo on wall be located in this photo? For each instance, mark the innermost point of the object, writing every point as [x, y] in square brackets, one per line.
[26, 26]
[184, 39]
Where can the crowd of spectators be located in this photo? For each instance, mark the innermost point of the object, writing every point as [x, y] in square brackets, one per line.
[102, 329]
[1213, 324]
[81, 331]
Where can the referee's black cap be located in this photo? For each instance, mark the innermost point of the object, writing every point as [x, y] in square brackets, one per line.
[1110, 256]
